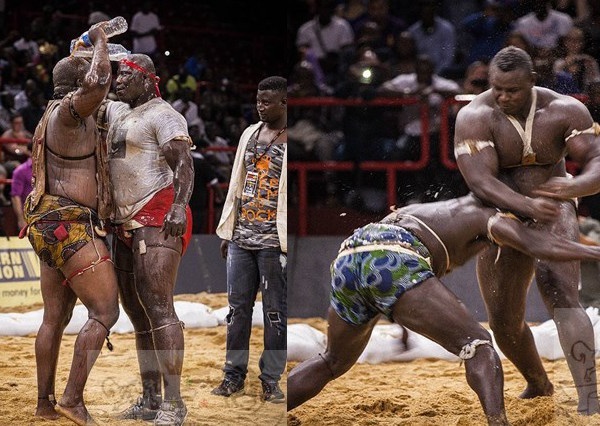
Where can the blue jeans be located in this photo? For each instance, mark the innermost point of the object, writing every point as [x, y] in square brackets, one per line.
[247, 272]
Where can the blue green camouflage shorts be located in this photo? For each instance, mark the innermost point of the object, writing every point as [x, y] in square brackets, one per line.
[367, 279]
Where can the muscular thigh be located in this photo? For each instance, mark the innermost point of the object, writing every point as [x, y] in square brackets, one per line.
[93, 277]
[504, 280]
[59, 299]
[155, 263]
[559, 280]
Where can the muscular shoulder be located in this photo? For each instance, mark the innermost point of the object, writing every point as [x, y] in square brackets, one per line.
[564, 109]
[475, 116]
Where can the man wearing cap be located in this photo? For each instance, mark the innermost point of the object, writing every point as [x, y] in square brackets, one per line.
[152, 174]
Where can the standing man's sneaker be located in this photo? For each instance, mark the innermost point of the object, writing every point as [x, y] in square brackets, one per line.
[229, 387]
[171, 413]
[272, 392]
[140, 410]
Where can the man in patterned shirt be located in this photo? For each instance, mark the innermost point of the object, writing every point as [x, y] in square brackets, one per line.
[253, 227]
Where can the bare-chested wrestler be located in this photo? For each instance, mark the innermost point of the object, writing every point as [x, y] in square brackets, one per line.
[392, 267]
[510, 145]
[63, 224]
[152, 175]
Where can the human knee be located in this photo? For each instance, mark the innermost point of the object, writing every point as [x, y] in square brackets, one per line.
[505, 326]
[336, 365]
[108, 317]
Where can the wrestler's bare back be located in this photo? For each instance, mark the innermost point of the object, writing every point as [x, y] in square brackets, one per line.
[461, 223]
[74, 179]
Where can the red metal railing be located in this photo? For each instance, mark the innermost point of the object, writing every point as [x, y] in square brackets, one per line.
[389, 167]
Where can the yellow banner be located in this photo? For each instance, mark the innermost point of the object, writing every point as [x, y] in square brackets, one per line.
[19, 273]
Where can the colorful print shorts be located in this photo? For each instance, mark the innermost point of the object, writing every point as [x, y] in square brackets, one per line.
[375, 266]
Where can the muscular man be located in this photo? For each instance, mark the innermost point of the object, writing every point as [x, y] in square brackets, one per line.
[393, 267]
[152, 175]
[510, 145]
[64, 227]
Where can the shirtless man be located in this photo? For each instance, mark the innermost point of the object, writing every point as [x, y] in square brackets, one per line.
[510, 145]
[63, 215]
[393, 267]
[152, 175]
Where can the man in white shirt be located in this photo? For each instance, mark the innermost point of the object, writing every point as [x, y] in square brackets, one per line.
[144, 27]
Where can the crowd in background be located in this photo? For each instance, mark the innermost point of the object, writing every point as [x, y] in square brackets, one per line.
[209, 57]
[426, 49]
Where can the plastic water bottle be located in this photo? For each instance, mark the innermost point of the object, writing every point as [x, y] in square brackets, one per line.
[116, 25]
[116, 52]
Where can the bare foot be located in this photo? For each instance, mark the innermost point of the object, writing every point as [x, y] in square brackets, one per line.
[45, 409]
[532, 391]
[78, 413]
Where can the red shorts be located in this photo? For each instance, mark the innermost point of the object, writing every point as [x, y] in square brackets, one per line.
[153, 214]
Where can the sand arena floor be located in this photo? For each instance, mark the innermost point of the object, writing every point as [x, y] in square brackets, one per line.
[114, 381]
[424, 392]
[432, 392]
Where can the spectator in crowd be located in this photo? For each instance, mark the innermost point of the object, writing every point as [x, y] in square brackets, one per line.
[560, 81]
[429, 86]
[544, 26]
[351, 11]
[476, 78]
[144, 27]
[488, 29]
[26, 49]
[189, 109]
[378, 12]
[583, 67]
[517, 39]
[303, 82]
[590, 25]
[20, 188]
[33, 112]
[363, 127]
[16, 153]
[433, 89]
[327, 37]
[475, 82]
[97, 13]
[221, 161]
[180, 81]
[4, 200]
[204, 176]
[23, 98]
[404, 57]
[196, 65]
[7, 110]
[434, 37]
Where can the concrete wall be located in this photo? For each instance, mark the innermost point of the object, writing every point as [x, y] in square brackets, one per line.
[202, 268]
